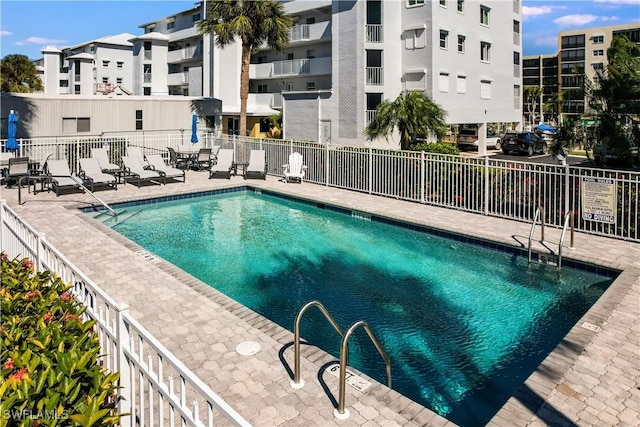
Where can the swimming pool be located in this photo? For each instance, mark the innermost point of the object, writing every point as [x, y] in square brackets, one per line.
[463, 324]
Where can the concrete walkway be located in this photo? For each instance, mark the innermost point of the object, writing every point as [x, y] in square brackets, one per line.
[591, 378]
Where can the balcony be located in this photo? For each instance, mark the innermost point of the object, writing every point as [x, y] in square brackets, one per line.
[294, 67]
[276, 101]
[184, 54]
[299, 32]
[178, 79]
[373, 33]
[368, 116]
[375, 76]
[516, 71]
[146, 77]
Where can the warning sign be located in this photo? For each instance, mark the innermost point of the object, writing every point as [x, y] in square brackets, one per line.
[598, 199]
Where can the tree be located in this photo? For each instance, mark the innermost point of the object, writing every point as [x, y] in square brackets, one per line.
[614, 98]
[413, 113]
[18, 74]
[531, 97]
[255, 23]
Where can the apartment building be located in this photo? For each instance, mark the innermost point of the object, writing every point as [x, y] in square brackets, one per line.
[585, 51]
[99, 66]
[541, 71]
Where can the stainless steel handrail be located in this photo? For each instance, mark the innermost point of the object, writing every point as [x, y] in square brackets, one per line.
[568, 220]
[297, 383]
[539, 214]
[344, 353]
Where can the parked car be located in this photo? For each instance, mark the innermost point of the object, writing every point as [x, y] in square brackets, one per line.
[608, 156]
[523, 142]
[468, 138]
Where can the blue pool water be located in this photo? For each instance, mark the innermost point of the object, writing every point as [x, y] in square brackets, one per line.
[464, 325]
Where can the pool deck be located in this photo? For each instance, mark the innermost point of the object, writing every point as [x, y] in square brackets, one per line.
[591, 378]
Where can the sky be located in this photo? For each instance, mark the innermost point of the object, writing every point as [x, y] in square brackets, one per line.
[27, 26]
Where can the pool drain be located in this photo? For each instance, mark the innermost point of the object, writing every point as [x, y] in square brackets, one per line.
[248, 348]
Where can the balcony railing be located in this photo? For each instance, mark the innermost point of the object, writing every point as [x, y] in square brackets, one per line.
[276, 101]
[291, 67]
[516, 70]
[147, 54]
[374, 76]
[299, 32]
[368, 116]
[373, 33]
[147, 77]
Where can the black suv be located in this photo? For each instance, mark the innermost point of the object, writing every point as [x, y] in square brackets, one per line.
[523, 142]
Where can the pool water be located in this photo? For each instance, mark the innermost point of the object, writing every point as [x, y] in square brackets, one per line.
[464, 325]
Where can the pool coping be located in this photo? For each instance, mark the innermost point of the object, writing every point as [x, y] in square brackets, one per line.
[531, 395]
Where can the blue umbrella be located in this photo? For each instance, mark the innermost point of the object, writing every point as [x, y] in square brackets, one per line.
[12, 143]
[194, 129]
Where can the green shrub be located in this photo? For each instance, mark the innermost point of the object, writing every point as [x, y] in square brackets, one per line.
[50, 373]
[437, 147]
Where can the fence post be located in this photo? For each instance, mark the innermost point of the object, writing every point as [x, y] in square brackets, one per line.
[567, 196]
[326, 165]
[486, 185]
[39, 266]
[370, 178]
[123, 366]
[423, 178]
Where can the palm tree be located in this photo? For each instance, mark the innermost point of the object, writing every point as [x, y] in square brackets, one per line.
[19, 74]
[255, 23]
[531, 96]
[413, 113]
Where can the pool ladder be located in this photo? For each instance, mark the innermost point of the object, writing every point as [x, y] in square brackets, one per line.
[545, 259]
[340, 412]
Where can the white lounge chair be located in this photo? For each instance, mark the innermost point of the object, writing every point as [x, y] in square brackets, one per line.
[295, 169]
[93, 175]
[61, 177]
[102, 155]
[222, 169]
[157, 164]
[136, 172]
[257, 166]
[137, 152]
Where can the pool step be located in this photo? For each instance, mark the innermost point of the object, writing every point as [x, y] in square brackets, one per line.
[545, 258]
[111, 221]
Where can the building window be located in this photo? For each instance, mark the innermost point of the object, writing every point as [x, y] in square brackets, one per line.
[149, 29]
[461, 84]
[76, 124]
[146, 91]
[92, 49]
[311, 53]
[412, 3]
[516, 58]
[598, 66]
[597, 39]
[516, 26]
[485, 89]
[444, 37]
[262, 59]
[105, 64]
[485, 50]
[76, 90]
[461, 6]
[119, 80]
[105, 80]
[171, 25]
[196, 17]
[263, 89]
[443, 82]
[310, 21]
[484, 15]
[119, 64]
[461, 40]
[598, 52]
[572, 42]
[414, 39]
[443, 3]
[311, 85]
[138, 119]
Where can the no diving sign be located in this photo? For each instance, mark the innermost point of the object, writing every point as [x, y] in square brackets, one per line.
[598, 197]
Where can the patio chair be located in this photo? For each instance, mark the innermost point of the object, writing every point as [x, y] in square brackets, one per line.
[18, 167]
[93, 176]
[177, 161]
[135, 171]
[222, 169]
[157, 164]
[203, 161]
[214, 154]
[295, 169]
[257, 166]
[102, 155]
[137, 152]
[61, 178]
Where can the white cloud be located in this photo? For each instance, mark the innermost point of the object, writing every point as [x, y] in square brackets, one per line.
[529, 11]
[621, 2]
[551, 41]
[5, 33]
[40, 41]
[575, 20]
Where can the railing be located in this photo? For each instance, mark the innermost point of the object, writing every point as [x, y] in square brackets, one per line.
[291, 67]
[374, 76]
[299, 32]
[568, 222]
[156, 387]
[501, 188]
[373, 33]
[538, 215]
